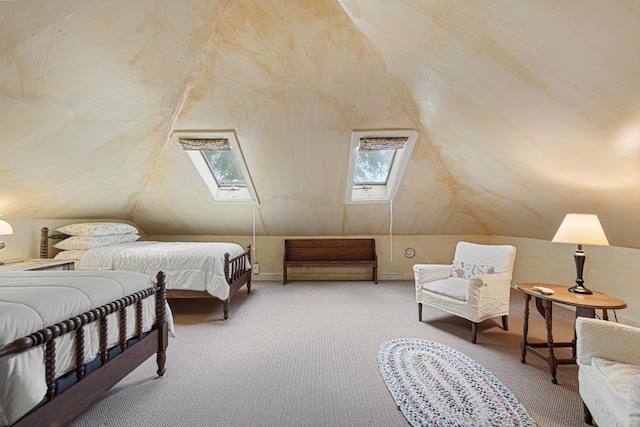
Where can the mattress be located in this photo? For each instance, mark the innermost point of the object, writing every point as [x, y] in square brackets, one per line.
[195, 266]
[32, 300]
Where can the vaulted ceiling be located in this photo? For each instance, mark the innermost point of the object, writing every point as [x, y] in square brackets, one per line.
[525, 111]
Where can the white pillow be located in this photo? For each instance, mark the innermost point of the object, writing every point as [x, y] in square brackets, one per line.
[74, 254]
[97, 229]
[90, 242]
[466, 270]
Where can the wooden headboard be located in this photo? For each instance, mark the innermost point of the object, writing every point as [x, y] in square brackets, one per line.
[44, 241]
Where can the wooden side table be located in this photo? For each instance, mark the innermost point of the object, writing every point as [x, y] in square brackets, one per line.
[586, 306]
[36, 264]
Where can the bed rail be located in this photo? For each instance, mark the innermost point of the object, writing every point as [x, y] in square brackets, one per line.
[80, 395]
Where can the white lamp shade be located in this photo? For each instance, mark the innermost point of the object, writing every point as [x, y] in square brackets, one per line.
[581, 229]
[5, 228]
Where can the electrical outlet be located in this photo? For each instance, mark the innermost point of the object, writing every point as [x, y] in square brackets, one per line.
[256, 269]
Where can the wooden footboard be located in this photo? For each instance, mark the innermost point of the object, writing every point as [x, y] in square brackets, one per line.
[237, 271]
[60, 408]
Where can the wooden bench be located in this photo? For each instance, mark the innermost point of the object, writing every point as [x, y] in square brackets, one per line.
[330, 253]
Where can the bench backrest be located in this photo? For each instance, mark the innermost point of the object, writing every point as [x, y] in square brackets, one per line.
[330, 250]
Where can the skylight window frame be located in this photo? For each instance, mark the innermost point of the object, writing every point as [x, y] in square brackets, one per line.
[378, 193]
[220, 193]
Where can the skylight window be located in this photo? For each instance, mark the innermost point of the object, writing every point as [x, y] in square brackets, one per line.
[373, 166]
[224, 167]
[219, 162]
[376, 164]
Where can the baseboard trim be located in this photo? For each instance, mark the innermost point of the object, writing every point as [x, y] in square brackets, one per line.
[273, 277]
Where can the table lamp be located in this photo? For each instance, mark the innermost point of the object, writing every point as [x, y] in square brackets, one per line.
[580, 229]
[5, 230]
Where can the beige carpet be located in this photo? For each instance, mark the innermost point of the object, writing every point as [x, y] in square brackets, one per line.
[305, 354]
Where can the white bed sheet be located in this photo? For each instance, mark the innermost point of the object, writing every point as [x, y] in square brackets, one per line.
[196, 266]
[32, 300]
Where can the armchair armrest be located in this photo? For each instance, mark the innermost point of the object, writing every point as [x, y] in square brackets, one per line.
[488, 284]
[490, 280]
[608, 340]
[425, 273]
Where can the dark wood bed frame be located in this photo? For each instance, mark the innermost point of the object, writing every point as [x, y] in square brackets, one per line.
[237, 272]
[61, 408]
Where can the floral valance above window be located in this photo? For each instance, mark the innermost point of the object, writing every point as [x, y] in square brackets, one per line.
[384, 143]
[205, 144]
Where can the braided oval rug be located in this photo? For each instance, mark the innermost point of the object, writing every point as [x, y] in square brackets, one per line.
[434, 385]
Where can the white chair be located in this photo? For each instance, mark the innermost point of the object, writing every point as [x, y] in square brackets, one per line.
[608, 356]
[476, 286]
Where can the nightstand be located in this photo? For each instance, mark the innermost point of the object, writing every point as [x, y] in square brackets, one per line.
[36, 264]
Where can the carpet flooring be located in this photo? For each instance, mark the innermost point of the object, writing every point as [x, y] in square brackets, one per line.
[305, 354]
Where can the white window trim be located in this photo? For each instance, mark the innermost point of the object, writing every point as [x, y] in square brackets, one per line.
[219, 193]
[379, 193]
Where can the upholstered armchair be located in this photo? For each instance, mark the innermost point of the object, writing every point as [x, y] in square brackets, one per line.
[476, 286]
[608, 356]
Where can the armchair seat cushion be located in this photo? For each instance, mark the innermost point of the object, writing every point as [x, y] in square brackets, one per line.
[453, 287]
[603, 399]
[618, 374]
[608, 356]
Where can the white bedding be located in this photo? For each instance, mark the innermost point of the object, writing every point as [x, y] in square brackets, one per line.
[32, 300]
[196, 266]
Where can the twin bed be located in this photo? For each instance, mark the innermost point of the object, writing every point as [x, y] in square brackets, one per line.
[66, 337]
[193, 269]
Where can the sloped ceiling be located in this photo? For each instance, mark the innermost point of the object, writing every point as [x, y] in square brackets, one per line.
[525, 111]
